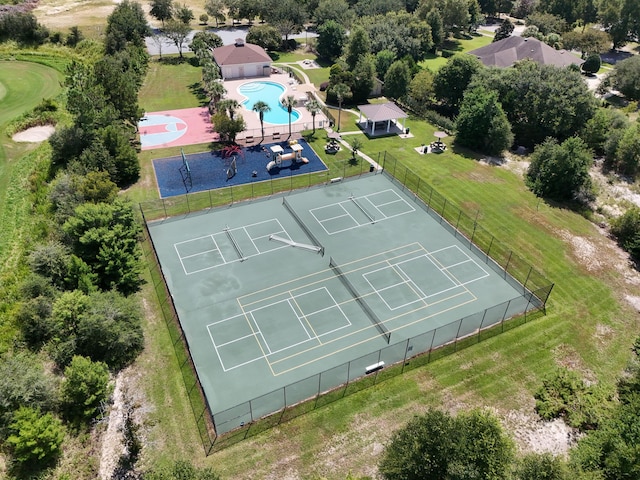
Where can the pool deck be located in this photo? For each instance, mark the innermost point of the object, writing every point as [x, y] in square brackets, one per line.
[252, 133]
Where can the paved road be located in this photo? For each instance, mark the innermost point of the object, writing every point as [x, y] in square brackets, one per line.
[228, 35]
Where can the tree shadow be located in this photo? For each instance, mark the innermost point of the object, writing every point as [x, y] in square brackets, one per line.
[197, 90]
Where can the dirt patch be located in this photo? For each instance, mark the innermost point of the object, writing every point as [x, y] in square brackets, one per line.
[535, 435]
[34, 134]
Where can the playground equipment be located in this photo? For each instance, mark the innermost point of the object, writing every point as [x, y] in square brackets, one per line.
[280, 156]
[185, 172]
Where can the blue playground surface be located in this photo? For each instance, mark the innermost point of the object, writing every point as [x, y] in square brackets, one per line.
[209, 169]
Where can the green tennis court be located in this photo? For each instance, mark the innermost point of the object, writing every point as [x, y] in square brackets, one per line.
[273, 293]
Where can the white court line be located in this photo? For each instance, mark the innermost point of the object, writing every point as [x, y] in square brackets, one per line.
[259, 331]
[225, 262]
[486, 274]
[235, 340]
[358, 224]
[298, 317]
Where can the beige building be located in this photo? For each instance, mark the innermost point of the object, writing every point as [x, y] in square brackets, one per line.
[242, 60]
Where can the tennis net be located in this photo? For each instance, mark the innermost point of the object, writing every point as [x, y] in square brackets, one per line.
[235, 244]
[386, 334]
[304, 228]
[362, 209]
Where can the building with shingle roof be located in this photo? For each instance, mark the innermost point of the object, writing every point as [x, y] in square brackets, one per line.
[504, 53]
[242, 60]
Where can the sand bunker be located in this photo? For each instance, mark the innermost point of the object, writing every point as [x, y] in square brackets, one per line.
[34, 134]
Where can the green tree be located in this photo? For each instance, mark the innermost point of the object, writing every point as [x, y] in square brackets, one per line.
[35, 438]
[161, 10]
[262, 108]
[560, 171]
[227, 127]
[421, 90]
[288, 16]
[626, 229]
[421, 449]
[105, 236]
[184, 14]
[180, 470]
[625, 77]
[121, 75]
[453, 78]
[591, 40]
[543, 466]
[364, 77]
[384, 59]
[598, 129]
[439, 447]
[177, 32]
[289, 102]
[483, 450]
[331, 40]
[229, 106]
[202, 45]
[22, 27]
[358, 45]
[628, 151]
[482, 124]
[434, 19]
[341, 92]
[85, 387]
[592, 64]
[397, 79]
[23, 381]
[547, 23]
[216, 10]
[504, 31]
[333, 10]
[204, 19]
[122, 162]
[126, 25]
[313, 106]
[74, 37]
[540, 100]
[266, 36]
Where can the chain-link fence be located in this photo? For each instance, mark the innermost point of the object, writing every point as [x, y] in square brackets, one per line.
[225, 428]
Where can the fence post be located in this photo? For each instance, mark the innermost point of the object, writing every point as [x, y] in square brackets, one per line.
[406, 352]
[506, 267]
[524, 285]
[458, 223]
[489, 249]
[444, 206]
[455, 344]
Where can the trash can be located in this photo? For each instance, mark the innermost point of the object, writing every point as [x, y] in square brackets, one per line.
[371, 168]
[407, 131]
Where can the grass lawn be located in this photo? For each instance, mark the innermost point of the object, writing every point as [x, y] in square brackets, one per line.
[22, 86]
[171, 85]
[588, 327]
[455, 45]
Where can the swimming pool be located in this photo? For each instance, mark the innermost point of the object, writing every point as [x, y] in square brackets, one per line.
[270, 93]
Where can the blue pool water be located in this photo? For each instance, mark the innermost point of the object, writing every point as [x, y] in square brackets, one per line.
[270, 93]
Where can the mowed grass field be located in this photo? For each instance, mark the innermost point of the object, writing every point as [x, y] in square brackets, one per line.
[22, 86]
[589, 327]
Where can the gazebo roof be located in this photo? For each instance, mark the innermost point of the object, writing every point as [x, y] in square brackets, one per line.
[380, 112]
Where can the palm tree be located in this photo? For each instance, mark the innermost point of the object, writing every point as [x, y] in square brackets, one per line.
[289, 102]
[230, 105]
[262, 108]
[341, 91]
[313, 106]
[216, 91]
